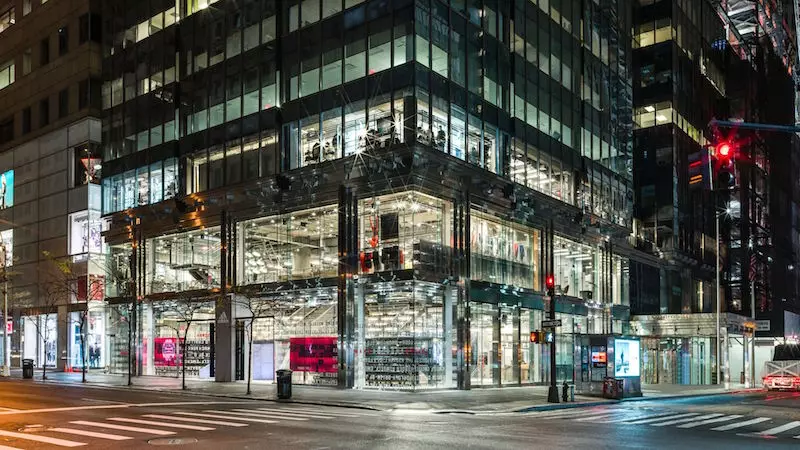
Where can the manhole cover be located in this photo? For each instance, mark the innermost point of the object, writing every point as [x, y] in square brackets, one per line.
[172, 441]
[32, 429]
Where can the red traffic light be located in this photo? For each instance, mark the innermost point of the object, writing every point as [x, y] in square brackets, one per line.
[724, 150]
[550, 282]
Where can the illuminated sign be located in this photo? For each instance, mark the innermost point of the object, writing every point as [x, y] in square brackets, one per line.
[313, 354]
[7, 189]
[626, 358]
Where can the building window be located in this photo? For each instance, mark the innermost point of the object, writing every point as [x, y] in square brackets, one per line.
[44, 51]
[26, 120]
[26, 7]
[26, 61]
[7, 19]
[63, 41]
[44, 112]
[6, 74]
[7, 130]
[90, 27]
[63, 103]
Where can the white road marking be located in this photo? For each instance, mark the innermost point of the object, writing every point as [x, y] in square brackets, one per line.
[733, 426]
[781, 429]
[218, 416]
[188, 419]
[8, 409]
[302, 414]
[120, 406]
[312, 411]
[659, 419]
[710, 421]
[94, 434]
[42, 439]
[640, 415]
[113, 426]
[684, 420]
[161, 424]
[569, 413]
[598, 417]
[248, 412]
[5, 447]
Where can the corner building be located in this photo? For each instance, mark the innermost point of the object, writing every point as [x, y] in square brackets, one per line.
[370, 181]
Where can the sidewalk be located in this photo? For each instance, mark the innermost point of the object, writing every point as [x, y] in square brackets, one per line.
[475, 401]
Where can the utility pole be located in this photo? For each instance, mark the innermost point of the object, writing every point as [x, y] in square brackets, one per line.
[552, 394]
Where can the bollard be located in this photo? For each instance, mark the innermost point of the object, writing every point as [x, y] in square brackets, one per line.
[564, 392]
[572, 392]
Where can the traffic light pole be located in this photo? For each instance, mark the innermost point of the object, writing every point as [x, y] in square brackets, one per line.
[552, 394]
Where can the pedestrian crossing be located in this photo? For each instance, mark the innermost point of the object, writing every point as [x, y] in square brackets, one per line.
[711, 421]
[143, 425]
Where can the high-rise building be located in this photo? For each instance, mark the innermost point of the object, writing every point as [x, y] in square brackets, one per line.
[368, 184]
[697, 61]
[50, 129]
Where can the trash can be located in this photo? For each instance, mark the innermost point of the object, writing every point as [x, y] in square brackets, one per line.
[27, 368]
[619, 391]
[284, 384]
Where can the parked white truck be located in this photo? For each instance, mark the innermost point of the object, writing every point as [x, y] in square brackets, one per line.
[783, 372]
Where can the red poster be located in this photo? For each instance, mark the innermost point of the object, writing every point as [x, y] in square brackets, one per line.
[313, 354]
[166, 352]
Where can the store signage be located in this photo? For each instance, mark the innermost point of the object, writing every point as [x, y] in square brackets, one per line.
[762, 325]
[7, 189]
[10, 326]
[551, 323]
[313, 354]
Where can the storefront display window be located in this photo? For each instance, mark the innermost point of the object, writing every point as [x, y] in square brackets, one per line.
[394, 227]
[575, 269]
[504, 252]
[40, 334]
[184, 261]
[293, 246]
[300, 334]
[84, 233]
[484, 345]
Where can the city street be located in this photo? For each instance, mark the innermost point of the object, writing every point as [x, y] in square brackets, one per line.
[52, 416]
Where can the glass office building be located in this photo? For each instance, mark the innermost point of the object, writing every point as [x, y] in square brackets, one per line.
[368, 184]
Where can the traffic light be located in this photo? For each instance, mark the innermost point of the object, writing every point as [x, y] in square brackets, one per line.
[536, 337]
[548, 337]
[550, 284]
[725, 156]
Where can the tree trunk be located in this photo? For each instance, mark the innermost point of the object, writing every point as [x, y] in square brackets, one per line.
[83, 348]
[250, 355]
[183, 360]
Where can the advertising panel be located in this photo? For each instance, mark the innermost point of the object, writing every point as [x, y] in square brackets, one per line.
[313, 354]
[166, 352]
[7, 189]
[626, 358]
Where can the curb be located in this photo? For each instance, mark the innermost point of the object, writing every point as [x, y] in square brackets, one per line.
[135, 388]
[684, 396]
[556, 406]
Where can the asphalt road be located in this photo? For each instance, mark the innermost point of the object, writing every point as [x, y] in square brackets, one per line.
[51, 417]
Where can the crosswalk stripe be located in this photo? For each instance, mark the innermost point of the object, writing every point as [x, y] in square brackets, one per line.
[333, 412]
[733, 426]
[781, 429]
[684, 420]
[226, 417]
[188, 419]
[42, 439]
[597, 417]
[639, 415]
[248, 412]
[710, 421]
[94, 434]
[5, 447]
[659, 419]
[298, 414]
[113, 426]
[563, 414]
[162, 424]
[307, 411]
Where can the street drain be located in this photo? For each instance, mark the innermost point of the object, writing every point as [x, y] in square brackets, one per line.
[32, 429]
[172, 441]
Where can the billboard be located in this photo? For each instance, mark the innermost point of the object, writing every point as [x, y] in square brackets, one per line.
[626, 358]
[313, 354]
[7, 189]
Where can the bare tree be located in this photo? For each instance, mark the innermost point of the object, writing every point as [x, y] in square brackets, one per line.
[52, 295]
[180, 314]
[257, 308]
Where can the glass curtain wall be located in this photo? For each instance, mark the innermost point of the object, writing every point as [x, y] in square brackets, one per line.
[504, 252]
[183, 261]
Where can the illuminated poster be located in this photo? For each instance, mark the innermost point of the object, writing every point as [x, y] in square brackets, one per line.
[313, 354]
[626, 358]
[6, 248]
[85, 233]
[7, 189]
[166, 352]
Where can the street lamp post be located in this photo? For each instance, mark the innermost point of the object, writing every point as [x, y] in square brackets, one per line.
[6, 353]
[719, 303]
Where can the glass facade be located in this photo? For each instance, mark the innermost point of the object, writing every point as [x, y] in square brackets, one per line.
[408, 284]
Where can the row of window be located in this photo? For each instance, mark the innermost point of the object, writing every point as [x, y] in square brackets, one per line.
[145, 185]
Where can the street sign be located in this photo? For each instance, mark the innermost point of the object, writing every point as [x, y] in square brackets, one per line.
[551, 323]
[762, 325]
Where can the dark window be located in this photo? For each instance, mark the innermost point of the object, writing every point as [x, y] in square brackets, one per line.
[63, 103]
[44, 51]
[63, 41]
[90, 28]
[26, 120]
[7, 130]
[44, 112]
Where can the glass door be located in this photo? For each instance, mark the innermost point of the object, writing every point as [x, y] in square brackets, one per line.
[484, 345]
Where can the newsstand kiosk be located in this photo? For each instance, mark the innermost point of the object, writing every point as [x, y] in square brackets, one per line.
[607, 366]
